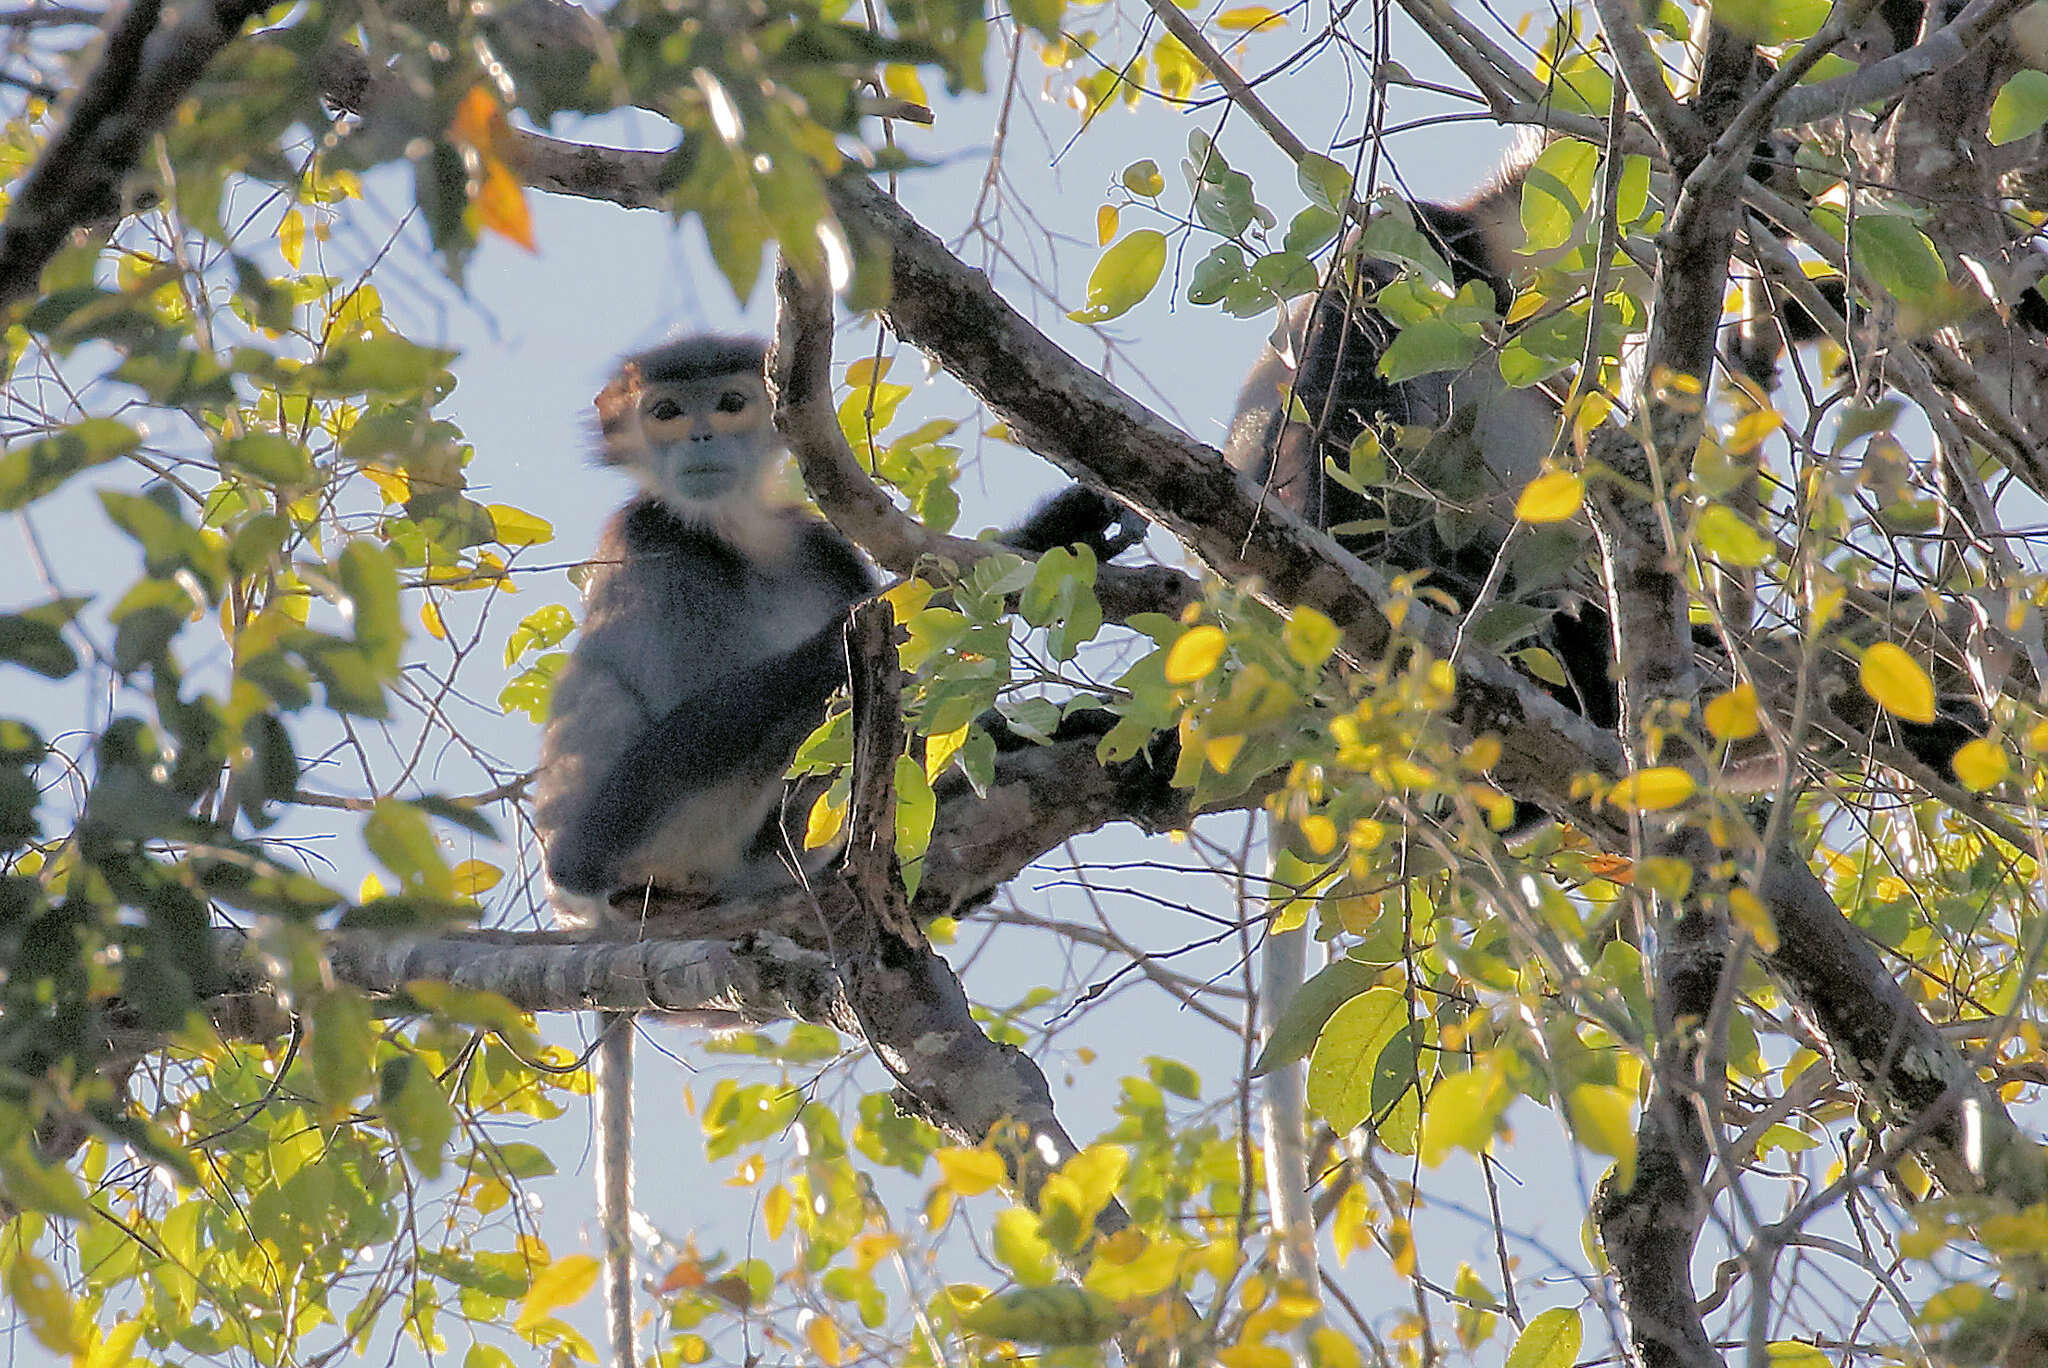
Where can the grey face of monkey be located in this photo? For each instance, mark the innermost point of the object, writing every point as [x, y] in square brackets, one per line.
[705, 440]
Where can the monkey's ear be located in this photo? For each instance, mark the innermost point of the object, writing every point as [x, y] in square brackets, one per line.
[618, 397]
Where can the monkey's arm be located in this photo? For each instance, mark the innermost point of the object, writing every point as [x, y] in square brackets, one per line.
[1078, 515]
[741, 729]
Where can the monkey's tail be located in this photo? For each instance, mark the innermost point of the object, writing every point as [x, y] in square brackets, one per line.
[614, 1079]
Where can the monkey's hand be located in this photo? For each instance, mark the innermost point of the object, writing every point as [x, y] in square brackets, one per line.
[1078, 516]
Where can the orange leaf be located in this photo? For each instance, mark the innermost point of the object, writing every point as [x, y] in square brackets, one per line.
[479, 120]
[501, 204]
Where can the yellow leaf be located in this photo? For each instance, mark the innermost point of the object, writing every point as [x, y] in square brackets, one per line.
[941, 747]
[1897, 682]
[1981, 764]
[112, 1348]
[1733, 716]
[1551, 497]
[1401, 1247]
[1752, 916]
[430, 618]
[1751, 428]
[479, 119]
[969, 1172]
[1320, 833]
[1196, 655]
[775, 1211]
[562, 1283]
[517, 527]
[474, 876]
[908, 599]
[39, 1296]
[825, 821]
[1310, 637]
[1221, 752]
[1653, 790]
[394, 485]
[901, 80]
[822, 1334]
[1106, 218]
[1247, 18]
[291, 238]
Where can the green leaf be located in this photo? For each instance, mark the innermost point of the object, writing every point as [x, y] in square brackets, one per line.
[417, 1112]
[1551, 1340]
[1462, 1112]
[369, 576]
[1043, 17]
[1124, 276]
[1286, 274]
[1215, 273]
[1728, 537]
[1046, 1315]
[915, 810]
[1311, 1006]
[1313, 229]
[1326, 183]
[1900, 258]
[380, 365]
[398, 835]
[1340, 1071]
[29, 472]
[1393, 236]
[2020, 108]
[268, 456]
[1555, 194]
[1143, 178]
[342, 1040]
[1434, 344]
[35, 641]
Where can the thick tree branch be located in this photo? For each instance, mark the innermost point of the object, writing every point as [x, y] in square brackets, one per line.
[142, 76]
[1880, 81]
[1651, 1230]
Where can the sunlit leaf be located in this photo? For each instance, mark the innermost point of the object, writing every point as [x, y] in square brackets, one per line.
[1734, 715]
[1653, 790]
[1246, 18]
[1551, 497]
[1125, 274]
[1551, 1340]
[2020, 108]
[1981, 764]
[1046, 1315]
[1196, 654]
[564, 1282]
[1897, 682]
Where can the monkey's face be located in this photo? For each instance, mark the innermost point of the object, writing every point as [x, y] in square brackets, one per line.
[701, 440]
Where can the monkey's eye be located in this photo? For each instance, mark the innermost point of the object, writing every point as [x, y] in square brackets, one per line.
[732, 401]
[663, 410]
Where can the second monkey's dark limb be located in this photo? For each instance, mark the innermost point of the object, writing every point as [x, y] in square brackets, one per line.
[1078, 516]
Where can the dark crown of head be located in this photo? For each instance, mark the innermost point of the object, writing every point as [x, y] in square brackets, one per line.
[699, 358]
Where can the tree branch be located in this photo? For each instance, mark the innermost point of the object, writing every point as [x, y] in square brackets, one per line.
[800, 382]
[141, 78]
